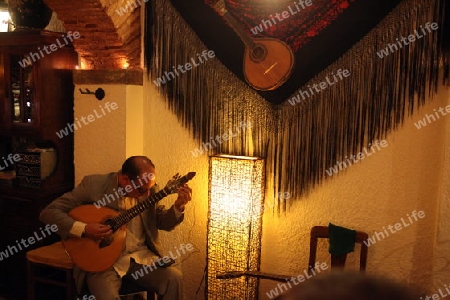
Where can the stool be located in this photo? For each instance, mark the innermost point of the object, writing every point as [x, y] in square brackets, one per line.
[56, 257]
[53, 256]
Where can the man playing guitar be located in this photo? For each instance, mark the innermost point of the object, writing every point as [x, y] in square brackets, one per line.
[134, 182]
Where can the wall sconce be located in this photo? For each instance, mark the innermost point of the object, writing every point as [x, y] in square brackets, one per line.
[5, 20]
[99, 93]
[236, 198]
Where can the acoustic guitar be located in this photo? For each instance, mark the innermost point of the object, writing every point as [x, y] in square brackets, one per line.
[268, 62]
[97, 256]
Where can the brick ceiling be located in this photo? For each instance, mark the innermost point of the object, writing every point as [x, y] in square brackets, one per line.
[108, 40]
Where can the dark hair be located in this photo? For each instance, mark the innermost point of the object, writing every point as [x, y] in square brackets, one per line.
[130, 167]
[350, 286]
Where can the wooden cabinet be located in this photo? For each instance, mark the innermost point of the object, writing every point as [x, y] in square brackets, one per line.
[36, 102]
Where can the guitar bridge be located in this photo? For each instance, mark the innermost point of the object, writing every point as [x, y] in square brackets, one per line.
[106, 242]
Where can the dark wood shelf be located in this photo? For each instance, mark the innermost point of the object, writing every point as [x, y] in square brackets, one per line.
[48, 83]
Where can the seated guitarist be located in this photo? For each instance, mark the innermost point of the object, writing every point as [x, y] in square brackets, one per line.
[141, 244]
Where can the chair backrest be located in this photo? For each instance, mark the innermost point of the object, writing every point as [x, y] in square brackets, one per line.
[337, 261]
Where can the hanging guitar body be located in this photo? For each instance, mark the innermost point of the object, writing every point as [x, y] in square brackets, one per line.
[268, 63]
[90, 255]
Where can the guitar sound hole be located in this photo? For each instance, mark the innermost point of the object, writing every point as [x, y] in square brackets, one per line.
[111, 223]
[106, 242]
[258, 53]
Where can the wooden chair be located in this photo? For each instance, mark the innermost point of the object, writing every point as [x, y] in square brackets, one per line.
[337, 261]
[54, 257]
[316, 233]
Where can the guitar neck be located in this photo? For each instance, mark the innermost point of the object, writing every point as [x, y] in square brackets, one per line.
[125, 216]
[248, 41]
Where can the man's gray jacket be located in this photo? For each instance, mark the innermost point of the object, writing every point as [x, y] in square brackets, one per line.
[93, 188]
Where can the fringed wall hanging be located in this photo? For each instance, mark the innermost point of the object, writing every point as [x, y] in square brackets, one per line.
[360, 68]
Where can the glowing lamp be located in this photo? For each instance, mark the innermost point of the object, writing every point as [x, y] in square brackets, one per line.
[236, 198]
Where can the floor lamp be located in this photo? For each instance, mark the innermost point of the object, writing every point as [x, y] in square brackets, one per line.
[236, 199]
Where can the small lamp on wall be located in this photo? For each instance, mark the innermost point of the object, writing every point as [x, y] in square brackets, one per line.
[5, 20]
[236, 197]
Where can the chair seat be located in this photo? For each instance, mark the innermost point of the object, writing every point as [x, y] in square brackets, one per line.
[54, 255]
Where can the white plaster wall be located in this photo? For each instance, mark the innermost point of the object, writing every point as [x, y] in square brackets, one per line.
[441, 271]
[101, 146]
[168, 144]
[376, 192]
[134, 120]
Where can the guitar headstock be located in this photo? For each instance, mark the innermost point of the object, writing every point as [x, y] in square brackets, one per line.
[220, 7]
[177, 181]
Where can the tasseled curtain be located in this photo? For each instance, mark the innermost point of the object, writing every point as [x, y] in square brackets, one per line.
[301, 141]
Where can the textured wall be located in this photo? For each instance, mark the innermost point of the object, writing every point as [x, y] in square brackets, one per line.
[378, 191]
[169, 145]
[134, 120]
[441, 271]
[114, 26]
[100, 146]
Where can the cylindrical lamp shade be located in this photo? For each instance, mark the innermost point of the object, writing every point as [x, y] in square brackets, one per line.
[236, 198]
